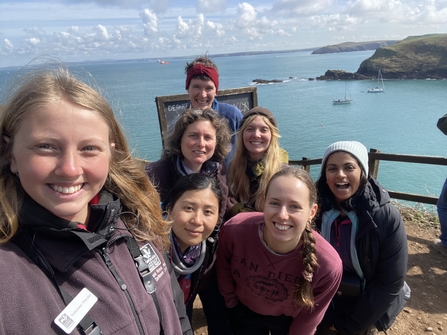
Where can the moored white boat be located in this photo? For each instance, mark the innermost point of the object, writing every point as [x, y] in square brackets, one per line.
[343, 101]
[378, 89]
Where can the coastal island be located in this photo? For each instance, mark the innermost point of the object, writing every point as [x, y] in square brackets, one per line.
[416, 57]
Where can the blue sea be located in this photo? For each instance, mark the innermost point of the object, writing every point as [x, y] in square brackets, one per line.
[401, 121]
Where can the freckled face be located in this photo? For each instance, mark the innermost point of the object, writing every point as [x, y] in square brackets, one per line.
[343, 174]
[201, 93]
[62, 154]
[198, 144]
[194, 215]
[257, 136]
[286, 212]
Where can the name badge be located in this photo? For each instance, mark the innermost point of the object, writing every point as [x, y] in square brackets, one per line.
[70, 317]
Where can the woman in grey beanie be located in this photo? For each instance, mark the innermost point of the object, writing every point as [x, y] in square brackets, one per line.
[367, 231]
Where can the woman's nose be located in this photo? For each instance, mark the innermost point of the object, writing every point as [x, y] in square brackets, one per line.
[69, 165]
[198, 218]
[283, 213]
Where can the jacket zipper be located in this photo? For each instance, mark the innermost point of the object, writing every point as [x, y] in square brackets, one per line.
[123, 286]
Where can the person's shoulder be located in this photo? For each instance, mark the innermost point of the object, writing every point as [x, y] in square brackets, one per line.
[13, 258]
[244, 219]
[228, 109]
[157, 168]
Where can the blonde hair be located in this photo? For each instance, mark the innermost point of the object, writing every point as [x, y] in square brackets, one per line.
[303, 294]
[126, 178]
[238, 181]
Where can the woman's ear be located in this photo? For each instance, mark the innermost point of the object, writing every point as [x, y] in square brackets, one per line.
[313, 211]
[112, 146]
[12, 164]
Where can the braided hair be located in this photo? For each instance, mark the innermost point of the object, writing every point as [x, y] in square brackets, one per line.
[303, 294]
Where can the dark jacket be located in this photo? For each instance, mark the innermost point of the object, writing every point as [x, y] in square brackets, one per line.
[381, 245]
[98, 259]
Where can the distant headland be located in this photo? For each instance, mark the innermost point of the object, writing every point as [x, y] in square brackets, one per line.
[353, 46]
[416, 57]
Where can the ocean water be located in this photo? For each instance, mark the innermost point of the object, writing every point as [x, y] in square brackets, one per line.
[401, 121]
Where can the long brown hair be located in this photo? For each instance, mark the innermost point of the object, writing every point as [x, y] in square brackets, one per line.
[126, 178]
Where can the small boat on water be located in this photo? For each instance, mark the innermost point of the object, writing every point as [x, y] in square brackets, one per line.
[162, 61]
[343, 101]
[380, 88]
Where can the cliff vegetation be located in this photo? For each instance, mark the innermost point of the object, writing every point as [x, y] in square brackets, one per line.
[416, 57]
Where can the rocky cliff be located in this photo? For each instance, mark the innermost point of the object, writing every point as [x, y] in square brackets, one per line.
[416, 57]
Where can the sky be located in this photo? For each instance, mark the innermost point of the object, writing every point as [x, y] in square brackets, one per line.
[82, 30]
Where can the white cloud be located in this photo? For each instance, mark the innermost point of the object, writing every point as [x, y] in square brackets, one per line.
[150, 21]
[246, 15]
[84, 29]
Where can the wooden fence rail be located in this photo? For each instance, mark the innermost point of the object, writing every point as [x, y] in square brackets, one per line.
[375, 156]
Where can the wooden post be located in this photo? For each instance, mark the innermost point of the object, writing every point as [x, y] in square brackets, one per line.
[373, 163]
[306, 166]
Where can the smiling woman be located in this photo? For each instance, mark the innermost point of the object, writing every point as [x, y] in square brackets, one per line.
[194, 211]
[275, 273]
[358, 219]
[75, 206]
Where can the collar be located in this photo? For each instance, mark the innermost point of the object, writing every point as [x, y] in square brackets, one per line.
[208, 168]
[61, 241]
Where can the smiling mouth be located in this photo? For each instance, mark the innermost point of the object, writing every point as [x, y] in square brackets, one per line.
[66, 190]
[342, 186]
[202, 102]
[282, 227]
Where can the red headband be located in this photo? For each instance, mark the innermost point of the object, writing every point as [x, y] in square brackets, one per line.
[200, 69]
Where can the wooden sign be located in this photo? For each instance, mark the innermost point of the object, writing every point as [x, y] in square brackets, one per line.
[171, 106]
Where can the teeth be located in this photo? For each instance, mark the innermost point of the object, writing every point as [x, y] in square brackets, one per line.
[282, 227]
[66, 190]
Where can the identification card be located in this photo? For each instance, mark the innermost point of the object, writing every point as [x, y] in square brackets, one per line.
[70, 317]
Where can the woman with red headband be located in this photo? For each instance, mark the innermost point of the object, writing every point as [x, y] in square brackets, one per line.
[202, 84]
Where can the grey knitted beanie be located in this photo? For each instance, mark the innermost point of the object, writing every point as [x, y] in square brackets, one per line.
[356, 149]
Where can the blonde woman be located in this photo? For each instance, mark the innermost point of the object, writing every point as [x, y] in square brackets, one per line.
[76, 214]
[258, 157]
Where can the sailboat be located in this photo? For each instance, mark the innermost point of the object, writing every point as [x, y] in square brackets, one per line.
[378, 89]
[344, 101]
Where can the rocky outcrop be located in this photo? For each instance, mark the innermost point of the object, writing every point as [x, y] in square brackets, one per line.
[342, 75]
[265, 81]
[417, 57]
